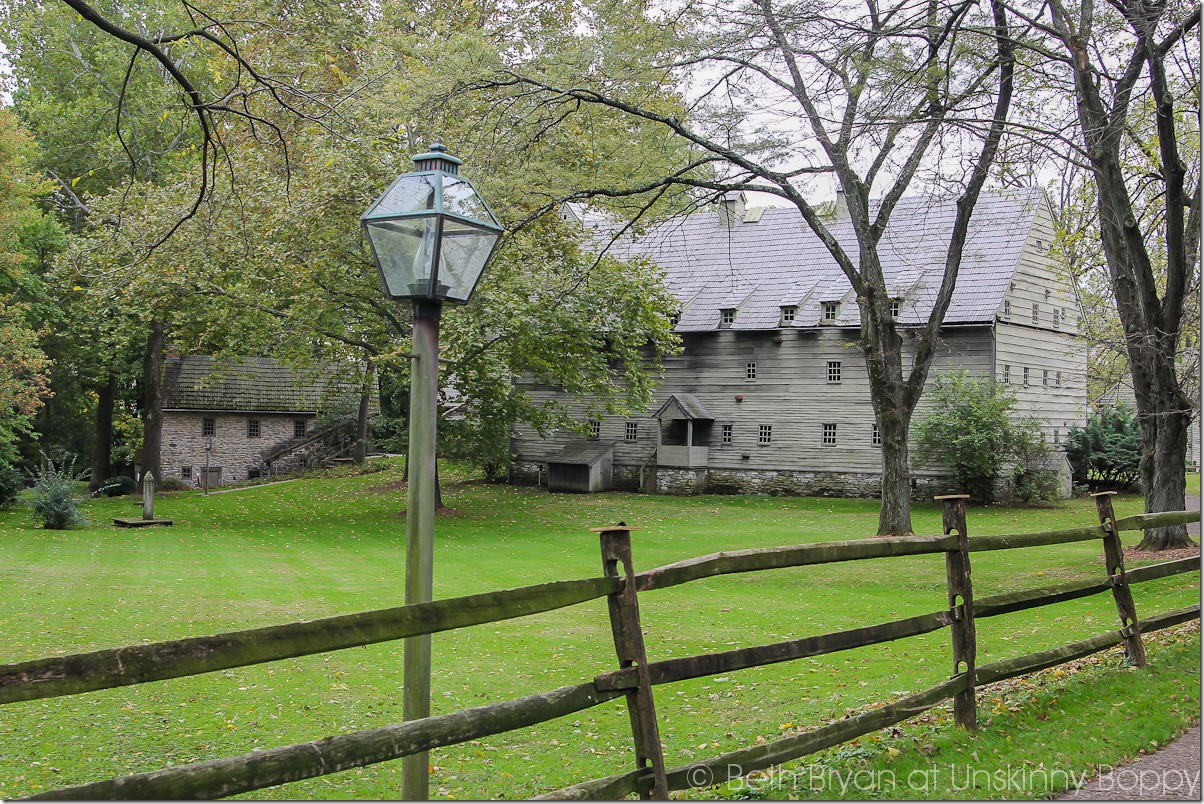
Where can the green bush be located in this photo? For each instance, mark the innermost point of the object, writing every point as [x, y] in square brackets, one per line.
[56, 498]
[971, 430]
[1107, 452]
[118, 486]
[171, 483]
[10, 485]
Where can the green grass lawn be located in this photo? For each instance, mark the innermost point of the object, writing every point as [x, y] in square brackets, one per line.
[316, 547]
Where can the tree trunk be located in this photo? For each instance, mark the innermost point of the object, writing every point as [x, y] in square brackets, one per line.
[360, 450]
[1163, 475]
[102, 442]
[152, 400]
[894, 517]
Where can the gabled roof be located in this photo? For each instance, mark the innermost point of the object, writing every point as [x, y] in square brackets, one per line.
[683, 406]
[259, 384]
[778, 261]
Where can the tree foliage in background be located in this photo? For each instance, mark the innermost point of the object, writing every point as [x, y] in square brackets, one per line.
[971, 429]
[1132, 70]
[1107, 452]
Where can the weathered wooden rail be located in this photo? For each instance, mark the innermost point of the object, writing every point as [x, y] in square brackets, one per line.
[636, 676]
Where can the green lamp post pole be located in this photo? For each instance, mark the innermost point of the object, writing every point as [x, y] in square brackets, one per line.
[431, 237]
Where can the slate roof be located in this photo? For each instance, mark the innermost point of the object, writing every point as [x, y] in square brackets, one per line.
[771, 260]
[199, 382]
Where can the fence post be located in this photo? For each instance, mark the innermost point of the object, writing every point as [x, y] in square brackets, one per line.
[963, 632]
[1114, 560]
[629, 648]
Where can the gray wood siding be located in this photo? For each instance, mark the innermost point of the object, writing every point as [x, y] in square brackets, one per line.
[1039, 280]
[791, 393]
[1020, 347]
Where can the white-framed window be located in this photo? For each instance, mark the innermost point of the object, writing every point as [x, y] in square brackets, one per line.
[1058, 380]
[1007, 374]
[789, 311]
[765, 434]
[1007, 308]
[750, 370]
[208, 427]
[253, 428]
[829, 435]
[1025, 380]
[1045, 378]
[830, 310]
[895, 304]
[1057, 318]
[833, 371]
[595, 429]
[727, 316]
[675, 319]
[1036, 313]
[725, 433]
[632, 431]
[875, 435]
[1057, 436]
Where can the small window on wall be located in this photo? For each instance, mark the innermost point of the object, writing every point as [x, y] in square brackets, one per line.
[632, 431]
[725, 433]
[595, 429]
[750, 371]
[829, 435]
[1007, 309]
[252, 428]
[1057, 436]
[208, 427]
[833, 371]
[1058, 380]
[186, 472]
[1036, 313]
[1007, 374]
[1057, 318]
[1045, 378]
[299, 428]
[1025, 380]
[875, 435]
[765, 434]
[894, 308]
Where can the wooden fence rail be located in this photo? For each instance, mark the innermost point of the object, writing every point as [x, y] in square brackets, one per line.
[68, 675]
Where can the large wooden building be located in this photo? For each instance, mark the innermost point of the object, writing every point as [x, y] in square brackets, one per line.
[770, 392]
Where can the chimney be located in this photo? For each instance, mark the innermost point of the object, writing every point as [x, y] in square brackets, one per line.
[731, 209]
[841, 208]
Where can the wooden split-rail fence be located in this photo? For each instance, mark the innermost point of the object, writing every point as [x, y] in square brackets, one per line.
[635, 677]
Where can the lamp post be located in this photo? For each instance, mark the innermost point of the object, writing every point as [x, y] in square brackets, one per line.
[431, 236]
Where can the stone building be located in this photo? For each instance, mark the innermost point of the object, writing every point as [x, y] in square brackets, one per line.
[236, 420]
[770, 392]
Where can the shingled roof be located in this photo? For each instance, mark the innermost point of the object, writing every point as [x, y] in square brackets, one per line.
[258, 384]
[773, 259]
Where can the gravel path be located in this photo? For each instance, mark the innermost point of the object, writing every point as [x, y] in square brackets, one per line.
[1171, 774]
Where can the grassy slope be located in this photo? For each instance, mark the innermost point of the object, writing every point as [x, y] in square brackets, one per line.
[318, 547]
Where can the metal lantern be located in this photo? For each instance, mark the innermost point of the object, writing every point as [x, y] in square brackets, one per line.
[431, 234]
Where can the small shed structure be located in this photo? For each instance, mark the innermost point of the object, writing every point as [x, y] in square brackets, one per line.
[582, 466]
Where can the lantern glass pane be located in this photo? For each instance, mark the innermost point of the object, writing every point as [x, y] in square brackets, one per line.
[404, 251]
[408, 194]
[459, 198]
[465, 251]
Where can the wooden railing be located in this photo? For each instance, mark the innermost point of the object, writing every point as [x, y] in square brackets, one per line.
[635, 677]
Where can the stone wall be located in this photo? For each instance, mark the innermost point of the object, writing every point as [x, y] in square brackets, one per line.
[233, 452]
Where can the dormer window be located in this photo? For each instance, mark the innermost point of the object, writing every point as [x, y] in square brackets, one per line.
[895, 304]
[830, 310]
[674, 319]
[727, 316]
[789, 311]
